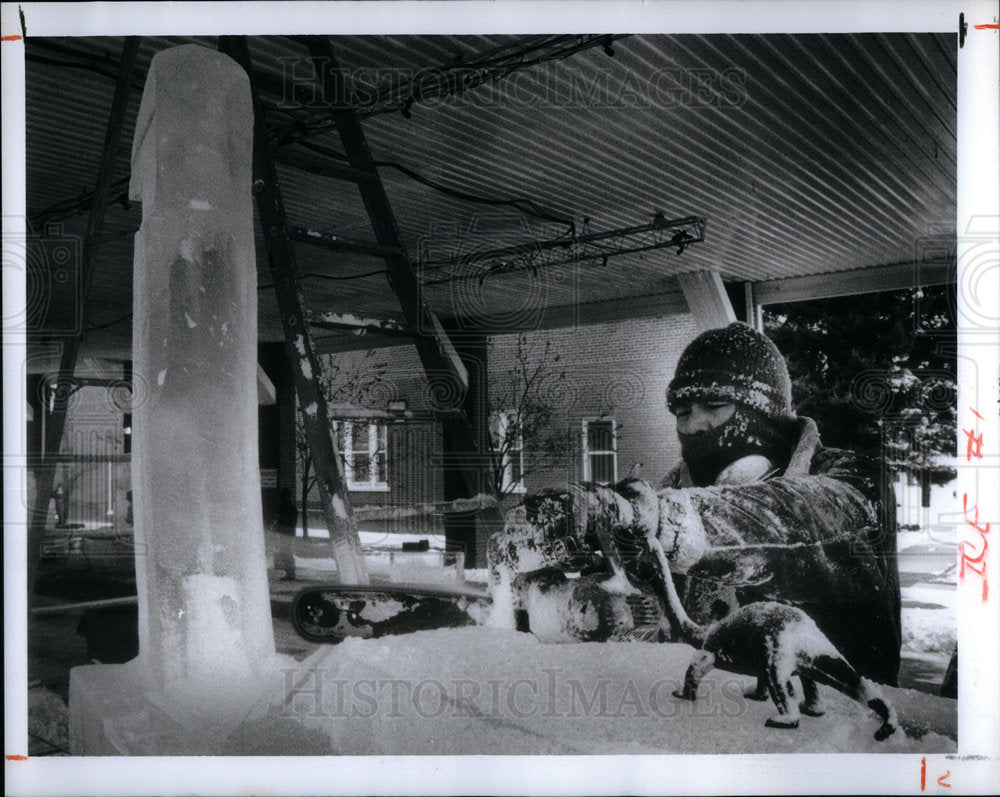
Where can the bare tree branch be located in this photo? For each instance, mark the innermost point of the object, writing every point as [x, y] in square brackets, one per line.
[351, 382]
[529, 400]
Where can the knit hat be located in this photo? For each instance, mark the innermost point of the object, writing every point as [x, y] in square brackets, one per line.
[735, 363]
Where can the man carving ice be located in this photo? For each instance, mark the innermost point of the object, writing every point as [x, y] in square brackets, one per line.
[756, 510]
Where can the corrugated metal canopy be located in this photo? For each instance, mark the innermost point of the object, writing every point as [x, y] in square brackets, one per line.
[806, 154]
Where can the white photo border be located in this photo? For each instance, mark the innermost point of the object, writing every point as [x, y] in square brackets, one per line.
[975, 769]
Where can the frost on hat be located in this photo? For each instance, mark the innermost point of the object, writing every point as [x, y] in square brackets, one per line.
[735, 363]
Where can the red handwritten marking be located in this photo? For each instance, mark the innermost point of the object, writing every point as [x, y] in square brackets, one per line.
[923, 776]
[966, 546]
[992, 26]
[16, 757]
[975, 445]
[11, 38]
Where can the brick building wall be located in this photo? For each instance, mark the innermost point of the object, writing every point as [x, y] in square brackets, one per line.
[618, 370]
[414, 445]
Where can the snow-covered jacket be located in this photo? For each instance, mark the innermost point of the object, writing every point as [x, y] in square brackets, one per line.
[820, 535]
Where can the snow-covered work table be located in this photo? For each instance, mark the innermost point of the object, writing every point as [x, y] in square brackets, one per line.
[476, 690]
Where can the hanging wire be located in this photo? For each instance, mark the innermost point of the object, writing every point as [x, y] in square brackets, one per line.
[71, 207]
[493, 64]
[96, 327]
[523, 204]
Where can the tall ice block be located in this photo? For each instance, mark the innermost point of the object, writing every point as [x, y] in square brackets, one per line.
[204, 609]
[206, 645]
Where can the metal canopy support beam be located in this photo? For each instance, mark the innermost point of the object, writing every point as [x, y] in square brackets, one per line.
[436, 352]
[348, 341]
[789, 289]
[337, 243]
[707, 299]
[894, 277]
[266, 392]
[753, 310]
[305, 363]
[324, 167]
[657, 305]
[56, 424]
[357, 324]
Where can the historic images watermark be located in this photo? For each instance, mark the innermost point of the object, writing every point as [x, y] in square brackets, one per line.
[52, 263]
[553, 694]
[305, 84]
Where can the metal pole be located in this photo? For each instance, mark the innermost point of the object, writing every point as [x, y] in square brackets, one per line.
[306, 367]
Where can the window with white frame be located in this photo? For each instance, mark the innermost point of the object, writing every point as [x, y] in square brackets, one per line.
[600, 454]
[364, 447]
[507, 439]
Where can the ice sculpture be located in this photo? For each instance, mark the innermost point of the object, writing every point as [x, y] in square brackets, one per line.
[203, 598]
[206, 643]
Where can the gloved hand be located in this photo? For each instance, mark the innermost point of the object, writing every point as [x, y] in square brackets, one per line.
[668, 516]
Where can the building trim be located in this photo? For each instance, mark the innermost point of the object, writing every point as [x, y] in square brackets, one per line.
[894, 277]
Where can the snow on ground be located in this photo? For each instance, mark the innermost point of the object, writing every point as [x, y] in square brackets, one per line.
[927, 569]
[376, 539]
[929, 621]
[384, 557]
[479, 690]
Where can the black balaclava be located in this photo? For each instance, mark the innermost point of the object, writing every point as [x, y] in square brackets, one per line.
[740, 365]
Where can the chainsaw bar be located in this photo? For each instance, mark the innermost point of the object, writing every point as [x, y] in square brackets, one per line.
[330, 613]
